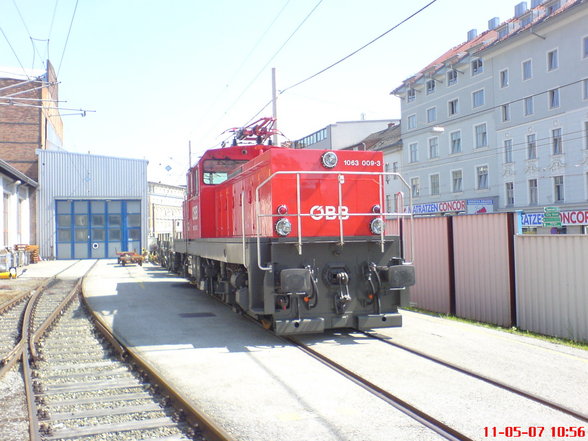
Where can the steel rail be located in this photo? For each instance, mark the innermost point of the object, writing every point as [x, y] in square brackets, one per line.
[425, 419]
[15, 301]
[10, 359]
[36, 334]
[477, 376]
[28, 351]
[209, 429]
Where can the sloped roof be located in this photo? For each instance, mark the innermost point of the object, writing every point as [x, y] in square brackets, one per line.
[487, 39]
[7, 169]
[388, 137]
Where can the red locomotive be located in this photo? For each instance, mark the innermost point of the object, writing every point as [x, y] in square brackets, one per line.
[293, 237]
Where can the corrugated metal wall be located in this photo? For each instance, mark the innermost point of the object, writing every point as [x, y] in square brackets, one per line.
[482, 276]
[65, 175]
[552, 281]
[431, 259]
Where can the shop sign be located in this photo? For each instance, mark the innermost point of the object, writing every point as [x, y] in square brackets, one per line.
[551, 218]
[579, 217]
[576, 217]
[439, 207]
[480, 206]
[531, 219]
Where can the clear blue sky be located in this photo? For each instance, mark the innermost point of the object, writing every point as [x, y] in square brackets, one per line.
[161, 73]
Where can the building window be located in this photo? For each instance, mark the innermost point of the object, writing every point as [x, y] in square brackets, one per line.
[531, 147]
[411, 124]
[415, 187]
[586, 135]
[558, 188]
[414, 152]
[552, 60]
[509, 194]
[430, 86]
[585, 89]
[456, 181]
[433, 148]
[529, 106]
[506, 112]
[434, 185]
[553, 98]
[431, 114]
[508, 151]
[477, 66]
[532, 191]
[451, 77]
[453, 107]
[478, 98]
[504, 78]
[482, 177]
[527, 70]
[556, 142]
[456, 142]
[585, 47]
[410, 95]
[481, 136]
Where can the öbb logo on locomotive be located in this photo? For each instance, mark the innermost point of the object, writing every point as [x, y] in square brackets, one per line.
[329, 212]
[250, 239]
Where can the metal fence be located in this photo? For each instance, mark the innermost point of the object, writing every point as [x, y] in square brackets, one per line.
[476, 267]
[552, 285]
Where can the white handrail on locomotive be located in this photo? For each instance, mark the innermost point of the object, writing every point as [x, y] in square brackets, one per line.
[340, 180]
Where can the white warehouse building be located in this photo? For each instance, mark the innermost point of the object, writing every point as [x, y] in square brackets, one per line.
[91, 206]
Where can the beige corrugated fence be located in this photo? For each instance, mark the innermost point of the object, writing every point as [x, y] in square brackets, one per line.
[552, 285]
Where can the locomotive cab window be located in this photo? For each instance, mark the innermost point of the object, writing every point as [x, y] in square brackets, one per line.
[217, 171]
[194, 182]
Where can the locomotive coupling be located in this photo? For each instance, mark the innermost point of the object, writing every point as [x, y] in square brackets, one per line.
[397, 276]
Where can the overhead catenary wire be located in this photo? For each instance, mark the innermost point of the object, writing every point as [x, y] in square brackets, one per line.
[67, 38]
[244, 62]
[274, 56]
[359, 49]
[320, 72]
[15, 54]
[35, 51]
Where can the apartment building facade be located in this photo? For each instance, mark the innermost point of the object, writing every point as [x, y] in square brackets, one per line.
[500, 123]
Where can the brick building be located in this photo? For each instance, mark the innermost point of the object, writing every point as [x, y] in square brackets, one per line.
[29, 120]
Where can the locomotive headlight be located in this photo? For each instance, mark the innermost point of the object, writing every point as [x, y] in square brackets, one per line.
[329, 159]
[376, 226]
[283, 227]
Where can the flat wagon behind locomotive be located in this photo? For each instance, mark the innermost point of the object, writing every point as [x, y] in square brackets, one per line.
[296, 238]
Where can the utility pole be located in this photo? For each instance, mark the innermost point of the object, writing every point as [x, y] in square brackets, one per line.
[189, 154]
[274, 106]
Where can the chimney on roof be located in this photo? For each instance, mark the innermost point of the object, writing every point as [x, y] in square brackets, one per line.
[472, 33]
[520, 9]
[493, 23]
[535, 3]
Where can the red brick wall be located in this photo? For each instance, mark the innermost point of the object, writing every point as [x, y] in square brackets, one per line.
[20, 129]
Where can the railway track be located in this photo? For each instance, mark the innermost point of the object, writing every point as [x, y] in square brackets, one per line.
[534, 397]
[76, 384]
[404, 406]
[422, 417]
